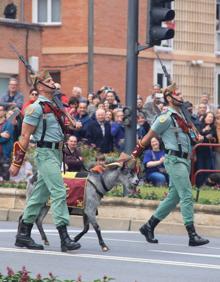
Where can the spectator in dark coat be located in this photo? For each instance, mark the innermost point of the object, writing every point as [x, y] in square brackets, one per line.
[99, 133]
[13, 97]
[72, 155]
[142, 125]
[110, 97]
[83, 121]
[204, 155]
[195, 119]
[6, 143]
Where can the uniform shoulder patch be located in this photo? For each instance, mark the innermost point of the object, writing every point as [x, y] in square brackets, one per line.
[29, 110]
[163, 118]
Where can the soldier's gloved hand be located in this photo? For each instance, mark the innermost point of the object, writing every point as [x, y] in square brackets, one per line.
[14, 170]
[138, 150]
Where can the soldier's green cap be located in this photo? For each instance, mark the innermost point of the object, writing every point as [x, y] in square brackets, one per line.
[170, 89]
[40, 76]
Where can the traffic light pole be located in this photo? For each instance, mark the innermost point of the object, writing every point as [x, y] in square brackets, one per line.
[157, 14]
[132, 73]
[90, 45]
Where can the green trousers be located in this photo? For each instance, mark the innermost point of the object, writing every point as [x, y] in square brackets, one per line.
[180, 190]
[49, 185]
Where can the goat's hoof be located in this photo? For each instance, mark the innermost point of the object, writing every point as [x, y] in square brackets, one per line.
[46, 243]
[105, 249]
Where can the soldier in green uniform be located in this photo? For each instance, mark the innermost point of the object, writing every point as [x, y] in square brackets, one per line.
[43, 123]
[172, 127]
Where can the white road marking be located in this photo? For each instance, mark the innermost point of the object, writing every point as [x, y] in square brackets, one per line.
[144, 242]
[72, 230]
[187, 254]
[112, 258]
[51, 231]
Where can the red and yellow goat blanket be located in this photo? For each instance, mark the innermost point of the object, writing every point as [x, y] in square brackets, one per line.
[75, 184]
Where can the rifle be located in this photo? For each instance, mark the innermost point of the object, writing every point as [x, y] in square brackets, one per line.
[56, 93]
[193, 131]
[167, 75]
[22, 59]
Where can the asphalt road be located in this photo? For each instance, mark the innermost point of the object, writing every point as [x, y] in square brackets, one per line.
[130, 258]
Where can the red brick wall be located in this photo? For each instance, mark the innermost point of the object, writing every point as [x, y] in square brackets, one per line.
[73, 31]
[110, 26]
[71, 75]
[110, 23]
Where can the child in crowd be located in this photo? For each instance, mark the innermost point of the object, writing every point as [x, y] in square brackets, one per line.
[99, 166]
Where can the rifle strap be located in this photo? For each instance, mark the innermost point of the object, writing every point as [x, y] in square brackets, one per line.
[49, 108]
[176, 132]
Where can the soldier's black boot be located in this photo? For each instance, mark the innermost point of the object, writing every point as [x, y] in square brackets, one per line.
[23, 237]
[66, 243]
[194, 238]
[148, 229]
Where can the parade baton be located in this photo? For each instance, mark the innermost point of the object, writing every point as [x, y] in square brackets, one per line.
[56, 93]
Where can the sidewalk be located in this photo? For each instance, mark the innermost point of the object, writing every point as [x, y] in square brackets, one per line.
[122, 214]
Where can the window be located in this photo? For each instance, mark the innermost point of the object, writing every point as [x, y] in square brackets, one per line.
[46, 11]
[3, 84]
[56, 76]
[218, 26]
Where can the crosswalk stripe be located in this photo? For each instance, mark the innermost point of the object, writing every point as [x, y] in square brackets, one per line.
[187, 254]
[113, 258]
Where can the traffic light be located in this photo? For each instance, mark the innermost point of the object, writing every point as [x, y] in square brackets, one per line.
[158, 12]
[127, 116]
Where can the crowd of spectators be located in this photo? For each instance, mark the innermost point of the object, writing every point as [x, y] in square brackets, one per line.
[100, 122]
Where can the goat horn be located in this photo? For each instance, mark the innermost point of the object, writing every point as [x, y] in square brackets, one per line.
[113, 164]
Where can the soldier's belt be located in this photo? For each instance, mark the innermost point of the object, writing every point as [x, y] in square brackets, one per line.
[178, 154]
[50, 145]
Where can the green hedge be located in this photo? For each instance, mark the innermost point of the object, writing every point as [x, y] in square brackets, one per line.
[207, 195]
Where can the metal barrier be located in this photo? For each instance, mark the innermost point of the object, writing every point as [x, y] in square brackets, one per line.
[195, 173]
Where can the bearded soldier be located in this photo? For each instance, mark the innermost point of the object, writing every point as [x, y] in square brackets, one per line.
[43, 121]
[176, 135]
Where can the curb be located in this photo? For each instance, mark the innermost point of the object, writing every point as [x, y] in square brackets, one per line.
[126, 214]
[124, 224]
[140, 203]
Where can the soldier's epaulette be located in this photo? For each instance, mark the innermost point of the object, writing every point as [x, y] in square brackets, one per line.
[164, 116]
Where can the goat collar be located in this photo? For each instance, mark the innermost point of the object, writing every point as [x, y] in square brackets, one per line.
[96, 189]
[103, 185]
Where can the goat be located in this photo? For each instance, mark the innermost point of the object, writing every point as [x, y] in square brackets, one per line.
[97, 186]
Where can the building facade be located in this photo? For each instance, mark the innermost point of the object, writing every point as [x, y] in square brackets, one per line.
[58, 41]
